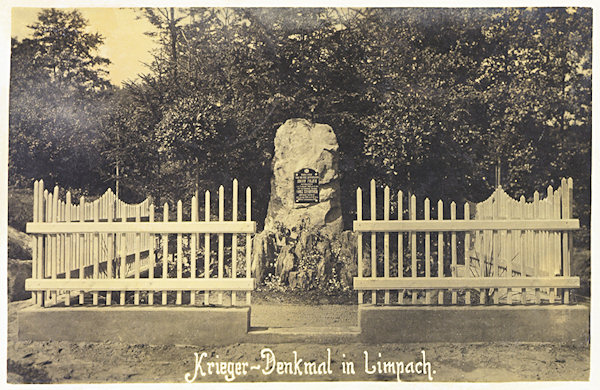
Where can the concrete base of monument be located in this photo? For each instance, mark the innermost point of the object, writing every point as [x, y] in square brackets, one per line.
[406, 324]
[136, 325]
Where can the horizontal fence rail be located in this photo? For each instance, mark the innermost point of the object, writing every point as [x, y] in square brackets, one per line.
[144, 227]
[123, 258]
[462, 225]
[500, 251]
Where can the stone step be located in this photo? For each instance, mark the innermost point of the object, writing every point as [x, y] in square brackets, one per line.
[303, 334]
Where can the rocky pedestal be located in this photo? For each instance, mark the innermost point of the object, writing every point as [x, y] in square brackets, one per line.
[299, 145]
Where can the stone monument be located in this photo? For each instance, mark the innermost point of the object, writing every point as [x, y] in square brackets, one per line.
[305, 201]
[305, 185]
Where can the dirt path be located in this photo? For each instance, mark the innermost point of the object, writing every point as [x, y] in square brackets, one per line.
[65, 362]
[303, 315]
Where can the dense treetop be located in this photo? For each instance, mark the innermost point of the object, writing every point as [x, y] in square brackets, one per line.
[430, 101]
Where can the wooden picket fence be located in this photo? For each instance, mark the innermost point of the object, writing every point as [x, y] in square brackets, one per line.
[112, 247]
[502, 250]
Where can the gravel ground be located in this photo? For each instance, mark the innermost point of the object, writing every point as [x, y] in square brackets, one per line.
[66, 362]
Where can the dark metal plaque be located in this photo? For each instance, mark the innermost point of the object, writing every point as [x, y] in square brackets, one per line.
[306, 186]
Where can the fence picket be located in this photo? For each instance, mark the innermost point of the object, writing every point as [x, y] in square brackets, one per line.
[111, 246]
[96, 254]
[234, 240]
[179, 250]
[68, 254]
[413, 246]
[123, 253]
[152, 265]
[81, 252]
[206, 245]
[193, 245]
[566, 192]
[523, 247]
[221, 242]
[373, 241]
[453, 246]
[482, 209]
[508, 244]
[550, 241]
[248, 241]
[136, 264]
[41, 264]
[34, 253]
[496, 237]
[569, 234]
[440, 248]
[359, 240]
[467, 242]
[400, 247]
[386, 242]
[536, 243]
[556, 240]
[165, 254]
[55, 243]
[61, 239]
[427, 252]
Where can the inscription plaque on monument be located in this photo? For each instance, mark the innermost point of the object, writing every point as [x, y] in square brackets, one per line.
[306, 186]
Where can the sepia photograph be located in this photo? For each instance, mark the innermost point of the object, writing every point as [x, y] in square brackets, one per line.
[270, 193]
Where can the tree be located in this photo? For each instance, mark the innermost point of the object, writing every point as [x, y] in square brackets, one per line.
[58, 102]
[427, 100]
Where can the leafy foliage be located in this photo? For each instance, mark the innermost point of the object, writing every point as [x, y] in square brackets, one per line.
[58, 102]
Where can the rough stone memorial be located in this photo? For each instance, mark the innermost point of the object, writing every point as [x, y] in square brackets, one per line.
[305, 185]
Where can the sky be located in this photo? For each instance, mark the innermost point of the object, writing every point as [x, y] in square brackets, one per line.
[125, 43]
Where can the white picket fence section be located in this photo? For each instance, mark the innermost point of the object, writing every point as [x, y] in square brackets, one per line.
[508, 252]
[74, 237]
